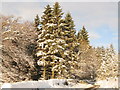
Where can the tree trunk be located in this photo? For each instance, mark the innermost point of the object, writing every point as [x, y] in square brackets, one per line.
[44, 73]
[53, 74]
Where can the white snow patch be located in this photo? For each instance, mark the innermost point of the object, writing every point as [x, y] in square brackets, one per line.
[53, 43]
[40, 63]
[6, 85]
[49, 40]
[60, 47]
[39, 53]
[39, 26]
[36, 84]
[8, 38]
[60, 83]
[51, 24]
[82, 85]
[62, 24]
[41, 44]
[109, 83]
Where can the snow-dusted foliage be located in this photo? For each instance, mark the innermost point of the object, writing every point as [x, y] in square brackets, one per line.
[9, 22]
[50, 49]
[54, 46]
[37, 23]
[17, 47]
[63, 54]
[109, 64]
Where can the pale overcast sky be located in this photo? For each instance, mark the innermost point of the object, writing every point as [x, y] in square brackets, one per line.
[99, 18]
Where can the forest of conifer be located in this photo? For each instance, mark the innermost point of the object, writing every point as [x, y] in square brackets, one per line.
[50, 48]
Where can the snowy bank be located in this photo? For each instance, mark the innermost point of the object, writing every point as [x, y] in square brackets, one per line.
[52, 83]
[62, 83]
[109, 83]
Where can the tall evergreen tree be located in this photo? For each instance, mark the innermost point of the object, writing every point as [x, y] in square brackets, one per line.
[58, 29]
[85, 55]
[70, 38]
[37, 22]
[66, 32]
[51, 46]
[44, 38]
[83, 39]
[48, 15]
[57, 12]
[57, 19]
[69, 29]
[83, 35]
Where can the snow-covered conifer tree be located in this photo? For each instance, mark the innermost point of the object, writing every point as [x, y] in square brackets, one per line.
[56, 42]
[86, 56]
[109, 65]
[50, 44]
[45, 38]
[37, 22]
[83, 39]
[70, 38]
[69, 30]
[60, 68]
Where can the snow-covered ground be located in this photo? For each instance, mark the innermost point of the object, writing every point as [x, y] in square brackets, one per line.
[109, 83]
[61, 83]
[52, 83]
